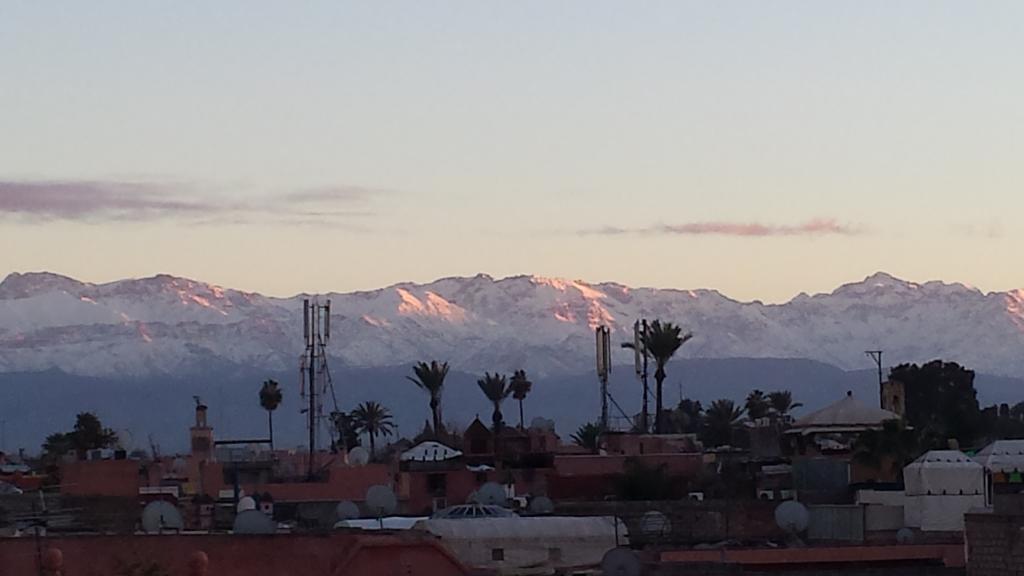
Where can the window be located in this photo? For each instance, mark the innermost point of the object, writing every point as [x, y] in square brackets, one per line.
[437, 484]
[498, 554]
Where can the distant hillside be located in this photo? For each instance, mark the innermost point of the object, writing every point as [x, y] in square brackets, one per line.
[36, 404]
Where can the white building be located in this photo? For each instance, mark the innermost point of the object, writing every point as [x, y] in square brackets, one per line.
[1003, 461]
[941, 486]
[531, 545]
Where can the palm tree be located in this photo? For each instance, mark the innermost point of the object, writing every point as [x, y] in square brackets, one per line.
[588, 436]
[757, 405]
[662, 341]
[430, 378]
[720, 421]
[496, 388]
[270, 399]
[782, 404]
[895, 444]
[372, 419]
[520, 386]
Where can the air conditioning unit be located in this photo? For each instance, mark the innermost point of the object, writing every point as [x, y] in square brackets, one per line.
[698, 496]
[440, 504]
[787, 494]
[766, 495]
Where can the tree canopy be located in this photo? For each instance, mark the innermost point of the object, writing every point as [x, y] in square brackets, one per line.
[87, 434]
[941, 402]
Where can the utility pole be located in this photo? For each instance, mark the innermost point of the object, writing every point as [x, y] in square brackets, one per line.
[876, 355]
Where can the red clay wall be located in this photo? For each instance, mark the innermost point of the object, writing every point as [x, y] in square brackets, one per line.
[100, 478]
[281, 555]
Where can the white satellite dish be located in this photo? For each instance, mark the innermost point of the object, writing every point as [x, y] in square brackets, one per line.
[541, 505]
[621, 562]
[159, 516]
[542, 424]
[347, 510]
[254, 522]
[904, 536]
[655, 523]
[245, 504]
[492, 494]
[359, 456]
[381, 500]
[792, 517]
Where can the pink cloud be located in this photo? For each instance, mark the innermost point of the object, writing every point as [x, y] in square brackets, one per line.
[816, 227]
[118, 201]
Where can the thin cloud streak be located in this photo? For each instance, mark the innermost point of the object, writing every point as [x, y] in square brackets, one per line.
[126, 201]
[94, 200]
[816, 227]
[333, 194]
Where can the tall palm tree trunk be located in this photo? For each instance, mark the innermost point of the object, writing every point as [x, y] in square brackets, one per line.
[435, 410]
[521, 414]
[373, 445]
[659, 378]
[270, 423]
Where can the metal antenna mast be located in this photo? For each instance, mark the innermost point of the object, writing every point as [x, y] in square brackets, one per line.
[604, 368]
[316, 323]
[640, 355]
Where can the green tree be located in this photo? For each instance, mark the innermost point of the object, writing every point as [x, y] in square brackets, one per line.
[721, 420]
[372, 419]
[588, 436]
[687, 418]
[941, 402]
[661, 342]
[270, 399]
[87, 434]
[430, 378]
[496, 388]
[757, 405]
[894, 445]
[521, 386]
[782, 405]
[345, 428]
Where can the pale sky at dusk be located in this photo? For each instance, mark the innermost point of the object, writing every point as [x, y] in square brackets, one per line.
[759, 148]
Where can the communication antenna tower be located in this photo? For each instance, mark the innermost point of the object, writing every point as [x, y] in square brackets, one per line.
[640, 337]
[604, 368]
[314, 372]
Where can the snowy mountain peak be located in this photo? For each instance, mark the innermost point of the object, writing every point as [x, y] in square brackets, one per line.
[166, 324]
[23, 285]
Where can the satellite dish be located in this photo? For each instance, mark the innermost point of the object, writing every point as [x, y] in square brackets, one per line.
[904, 536]
[655, 523]
[621, 562]
[159, 516]
[381, 501]
[792, 516]
[347, 510]
[542, 424]
[254, 522]
[358, 456]
[246, 503]
[541, 505]
[492, 494]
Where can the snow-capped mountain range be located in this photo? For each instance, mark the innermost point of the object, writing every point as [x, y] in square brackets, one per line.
[168, 325]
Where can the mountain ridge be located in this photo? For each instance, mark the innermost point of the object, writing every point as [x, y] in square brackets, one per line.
[164, 324]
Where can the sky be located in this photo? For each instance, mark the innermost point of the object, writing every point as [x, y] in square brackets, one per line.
[759, 148]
